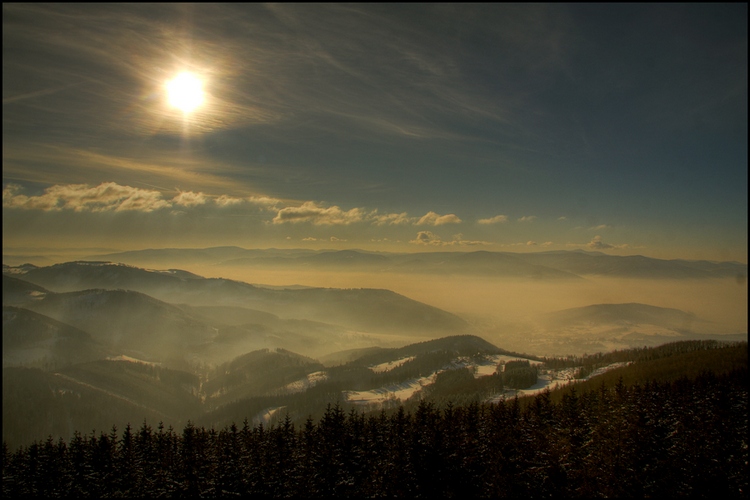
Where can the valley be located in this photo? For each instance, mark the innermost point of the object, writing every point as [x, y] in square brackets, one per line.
[89, 344]
[413, 250]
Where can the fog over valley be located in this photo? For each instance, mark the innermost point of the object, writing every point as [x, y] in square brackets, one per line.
[407, 250]
[517, 305]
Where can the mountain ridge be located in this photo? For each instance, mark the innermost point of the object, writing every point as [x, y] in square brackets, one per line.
[367, 309]
[557, 264]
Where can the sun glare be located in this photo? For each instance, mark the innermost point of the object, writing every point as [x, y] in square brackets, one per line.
[185, 92]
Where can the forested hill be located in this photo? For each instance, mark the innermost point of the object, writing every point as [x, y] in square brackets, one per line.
[672, 421]
[615, 441]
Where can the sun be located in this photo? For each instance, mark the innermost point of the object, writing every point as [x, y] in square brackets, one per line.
[185, 92]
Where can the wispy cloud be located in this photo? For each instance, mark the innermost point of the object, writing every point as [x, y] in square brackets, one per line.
[266, 64]
[265, 202]
[527, 218]
[60, 164]
[190, 199]
[113, 197]
[105, 197]
[37, 93]
[228, 201]
[434, 219]
[317, 215]
[390, 219]
[498, 219]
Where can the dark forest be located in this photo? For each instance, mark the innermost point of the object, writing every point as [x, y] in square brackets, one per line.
[682, 438]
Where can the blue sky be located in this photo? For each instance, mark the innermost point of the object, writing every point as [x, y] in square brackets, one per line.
[618, 128]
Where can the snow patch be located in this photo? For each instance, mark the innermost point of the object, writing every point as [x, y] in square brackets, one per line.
[128, 359]
[555, 379]
[607, 368]
[480, 367]
[547, 380]
[489, 365]
[390, 365]
[401, 391]
[14, 270]
[310, 380]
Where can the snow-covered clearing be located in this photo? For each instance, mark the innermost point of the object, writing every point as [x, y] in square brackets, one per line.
[607, 368]
[122, 357]
[555, 379]
[305, 383]
[400, 391]
[547, 380]
[488, 366]
[390, 365]
[406, 389]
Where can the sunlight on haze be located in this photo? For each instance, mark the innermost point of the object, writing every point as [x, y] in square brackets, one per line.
[185, 92]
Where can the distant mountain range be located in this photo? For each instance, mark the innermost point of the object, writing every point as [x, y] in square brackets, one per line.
[553, 265]
[147, 313]
[366, 310]
[178, 317]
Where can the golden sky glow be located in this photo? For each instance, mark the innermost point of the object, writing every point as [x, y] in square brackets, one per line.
[401, 128]
[185, 92]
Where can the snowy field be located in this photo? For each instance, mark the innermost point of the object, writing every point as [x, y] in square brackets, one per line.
[403, 391]
[406, 389]
[390, 365]
[128, 359]
[305, 383]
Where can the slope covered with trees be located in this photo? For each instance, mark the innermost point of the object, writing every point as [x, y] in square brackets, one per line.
[683, 438]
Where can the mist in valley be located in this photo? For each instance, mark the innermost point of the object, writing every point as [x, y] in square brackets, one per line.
[357, 251]
[506, 311]
[514, 312]
[115, 339]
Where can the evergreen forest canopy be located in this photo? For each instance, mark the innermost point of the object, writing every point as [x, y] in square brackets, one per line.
[415, 250]
[684, 435]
